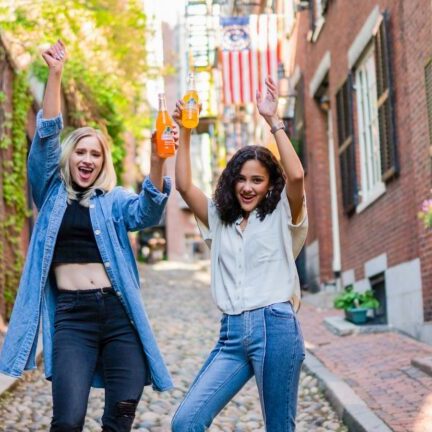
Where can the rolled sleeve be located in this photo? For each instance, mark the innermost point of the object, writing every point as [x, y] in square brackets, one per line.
[146, 208]
[298, 230]
[213, 220]
[48, 127]
[154, 194]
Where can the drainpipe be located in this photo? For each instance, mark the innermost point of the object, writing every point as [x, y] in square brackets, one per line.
[336, 264]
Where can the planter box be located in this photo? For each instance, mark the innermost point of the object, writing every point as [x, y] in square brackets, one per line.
[356, 315]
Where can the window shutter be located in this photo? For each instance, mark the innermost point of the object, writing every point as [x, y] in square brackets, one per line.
[312, 8]
[324, 6]
[428, 82]
[299, 123]
[345, 128]
[385, 97]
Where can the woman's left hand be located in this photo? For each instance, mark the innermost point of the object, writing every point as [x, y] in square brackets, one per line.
[154, 155]
[267, 105]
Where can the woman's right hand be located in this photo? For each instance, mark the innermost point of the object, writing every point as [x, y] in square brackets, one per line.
[177, 114]
[55, 56]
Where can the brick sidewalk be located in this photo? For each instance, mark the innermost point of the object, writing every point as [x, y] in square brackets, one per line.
[377, 367]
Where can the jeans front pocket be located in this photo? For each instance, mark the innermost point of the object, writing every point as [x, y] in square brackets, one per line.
[283, 310]
[66, 303]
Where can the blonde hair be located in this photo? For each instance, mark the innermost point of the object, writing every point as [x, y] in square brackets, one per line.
[106, 179]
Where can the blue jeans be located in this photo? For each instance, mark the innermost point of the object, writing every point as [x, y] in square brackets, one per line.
[92, 327]
[265, 342]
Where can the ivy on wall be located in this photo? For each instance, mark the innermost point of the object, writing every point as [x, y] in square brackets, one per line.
[14, 174]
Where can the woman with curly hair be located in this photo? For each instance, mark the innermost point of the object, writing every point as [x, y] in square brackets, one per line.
[255, 226]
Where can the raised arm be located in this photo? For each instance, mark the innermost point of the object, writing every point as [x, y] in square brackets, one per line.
[267, 107]
[54, 58]
[43, 160]
[193, 196]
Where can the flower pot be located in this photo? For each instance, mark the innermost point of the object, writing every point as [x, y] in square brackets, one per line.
[356, 315]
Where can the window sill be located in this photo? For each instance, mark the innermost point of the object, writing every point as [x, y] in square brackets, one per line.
[319, 24]
[371, 197]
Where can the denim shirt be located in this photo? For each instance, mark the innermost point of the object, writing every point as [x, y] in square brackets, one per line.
[112, 215]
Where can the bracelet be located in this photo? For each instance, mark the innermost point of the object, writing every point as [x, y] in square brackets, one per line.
[279, 125]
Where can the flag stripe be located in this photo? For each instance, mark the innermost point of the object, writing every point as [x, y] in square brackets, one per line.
[245, 77]
[248, 60]
[225, 77]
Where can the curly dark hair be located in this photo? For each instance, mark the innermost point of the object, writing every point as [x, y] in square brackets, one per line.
[225, 199]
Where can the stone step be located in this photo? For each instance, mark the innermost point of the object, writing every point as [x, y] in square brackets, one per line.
[341, 327]
[423, 363]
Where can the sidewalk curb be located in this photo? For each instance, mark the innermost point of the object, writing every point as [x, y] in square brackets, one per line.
[8, 383]
[352, 410]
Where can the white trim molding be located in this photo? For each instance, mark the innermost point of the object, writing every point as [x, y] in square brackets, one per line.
[320, 73]
[363, 37]
[348, 277]
[376, 265]
[295, 76]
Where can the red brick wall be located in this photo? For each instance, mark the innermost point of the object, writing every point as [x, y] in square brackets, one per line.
[390, 224]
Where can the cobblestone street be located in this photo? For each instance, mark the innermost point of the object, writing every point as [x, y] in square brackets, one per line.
[185, 321]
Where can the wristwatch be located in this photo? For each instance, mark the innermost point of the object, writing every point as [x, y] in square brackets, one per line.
[277, 126]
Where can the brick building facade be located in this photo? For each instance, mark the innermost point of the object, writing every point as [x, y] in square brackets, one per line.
[362, 78]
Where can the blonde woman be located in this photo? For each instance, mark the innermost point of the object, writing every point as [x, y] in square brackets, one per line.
[80, 275]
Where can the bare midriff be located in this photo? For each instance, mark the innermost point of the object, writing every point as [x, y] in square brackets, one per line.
[81, 276]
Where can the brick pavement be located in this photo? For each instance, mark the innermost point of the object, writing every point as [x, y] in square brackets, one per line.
[377, 367]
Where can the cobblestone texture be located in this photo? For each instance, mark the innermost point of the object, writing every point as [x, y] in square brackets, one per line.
[178, 302]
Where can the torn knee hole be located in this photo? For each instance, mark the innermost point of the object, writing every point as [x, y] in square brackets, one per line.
[126, 408]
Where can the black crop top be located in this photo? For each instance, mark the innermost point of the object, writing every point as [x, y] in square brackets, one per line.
[76, 241]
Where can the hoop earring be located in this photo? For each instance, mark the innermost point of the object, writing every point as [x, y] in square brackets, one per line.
[269, 194]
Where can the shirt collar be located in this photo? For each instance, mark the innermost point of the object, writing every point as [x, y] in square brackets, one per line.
[253, 215]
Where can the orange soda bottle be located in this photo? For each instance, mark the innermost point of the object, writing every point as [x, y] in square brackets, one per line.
[190, 114]
[165, 146]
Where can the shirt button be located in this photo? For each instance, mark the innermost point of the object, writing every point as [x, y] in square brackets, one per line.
[91, 205]
[132, 322]
[118, 294]
[97, 232]
[107, 264]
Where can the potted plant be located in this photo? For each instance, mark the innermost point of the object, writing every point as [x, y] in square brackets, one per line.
[356, 304]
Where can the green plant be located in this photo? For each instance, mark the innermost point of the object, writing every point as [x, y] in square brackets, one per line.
[350, 299]
[13, 139]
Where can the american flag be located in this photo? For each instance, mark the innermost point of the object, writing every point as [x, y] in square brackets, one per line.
[249, 54]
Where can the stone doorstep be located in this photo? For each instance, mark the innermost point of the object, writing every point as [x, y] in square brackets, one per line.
[7, 383]
[351, 409]
[423, 363]
[341, 327]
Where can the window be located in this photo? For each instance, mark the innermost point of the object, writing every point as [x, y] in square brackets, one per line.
[375, 119]
[368, 130]
[375, 113]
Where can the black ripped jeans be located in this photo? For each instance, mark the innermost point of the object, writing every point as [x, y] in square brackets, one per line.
[93, 327]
